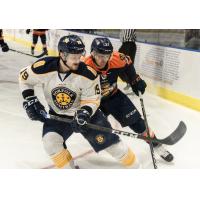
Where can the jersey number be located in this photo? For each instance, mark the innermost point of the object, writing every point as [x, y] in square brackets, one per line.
[24, 74]
[97, 90]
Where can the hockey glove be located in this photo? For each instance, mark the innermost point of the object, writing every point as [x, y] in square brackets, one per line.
[138, 85]
[4, 47]
[81, 118]
[107, 89]
[28, 31]
[34, 109]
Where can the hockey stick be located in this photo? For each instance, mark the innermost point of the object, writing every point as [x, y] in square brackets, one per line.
[147, 129]
[173, 138]
[27, 54]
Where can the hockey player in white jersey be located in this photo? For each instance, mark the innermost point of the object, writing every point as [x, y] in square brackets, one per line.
[72, 91]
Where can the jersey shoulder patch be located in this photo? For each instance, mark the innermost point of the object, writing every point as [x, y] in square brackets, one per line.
[119, 60]
[45, 65]
[86, 71]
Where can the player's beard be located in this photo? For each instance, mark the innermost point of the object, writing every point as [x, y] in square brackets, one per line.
[72, 67]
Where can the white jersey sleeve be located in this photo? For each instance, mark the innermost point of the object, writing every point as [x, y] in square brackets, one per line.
[28, 79]
[91, 94]
[36, 74]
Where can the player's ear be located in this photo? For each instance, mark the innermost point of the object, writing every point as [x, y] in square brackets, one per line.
[60, 54]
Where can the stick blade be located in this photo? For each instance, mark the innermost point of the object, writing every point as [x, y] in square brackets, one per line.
[176, 135]
[40, 55]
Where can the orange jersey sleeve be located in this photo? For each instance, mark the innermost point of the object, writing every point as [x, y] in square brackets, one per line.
[87, 60]
[117, 60]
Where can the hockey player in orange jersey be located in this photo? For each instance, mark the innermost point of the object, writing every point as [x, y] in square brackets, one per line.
[110, 65]
[38, 33]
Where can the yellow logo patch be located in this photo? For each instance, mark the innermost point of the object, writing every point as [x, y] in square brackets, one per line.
[63, 97]
[39, 63]
[100, 139]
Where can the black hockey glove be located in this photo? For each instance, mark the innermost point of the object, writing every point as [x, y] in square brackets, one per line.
[4, 47]
[138, 85]
[34, 109]
[81, 118]
[28, 31]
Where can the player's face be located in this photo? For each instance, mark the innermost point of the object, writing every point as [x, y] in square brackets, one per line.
[101, 59]
[72, 60]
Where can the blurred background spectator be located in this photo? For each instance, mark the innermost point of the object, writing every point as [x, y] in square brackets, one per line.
[3, 44]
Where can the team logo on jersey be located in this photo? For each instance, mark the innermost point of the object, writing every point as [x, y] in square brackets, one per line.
[63, 97]
[122, 56]
[100, 139]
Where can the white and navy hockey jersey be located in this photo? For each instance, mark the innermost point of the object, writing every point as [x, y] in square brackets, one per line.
[64, 92]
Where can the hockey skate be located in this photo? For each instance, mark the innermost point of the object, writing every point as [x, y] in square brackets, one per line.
[4, 47]
[72, 165]
[45, 51]
[163, 153]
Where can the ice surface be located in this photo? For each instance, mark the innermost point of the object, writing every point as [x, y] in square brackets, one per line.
[20, 138]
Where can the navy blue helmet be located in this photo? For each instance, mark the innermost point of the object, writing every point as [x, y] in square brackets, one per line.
[71, 44]
[102, 45]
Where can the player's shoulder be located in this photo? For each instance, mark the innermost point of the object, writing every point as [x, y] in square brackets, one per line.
[45, 65]
[119, 60]
[86, 71]
[88, 60]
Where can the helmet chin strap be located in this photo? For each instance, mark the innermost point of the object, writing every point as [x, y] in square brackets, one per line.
[65, 63]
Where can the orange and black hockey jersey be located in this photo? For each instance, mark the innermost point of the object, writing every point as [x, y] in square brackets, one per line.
[39, 32]
[118, 65]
